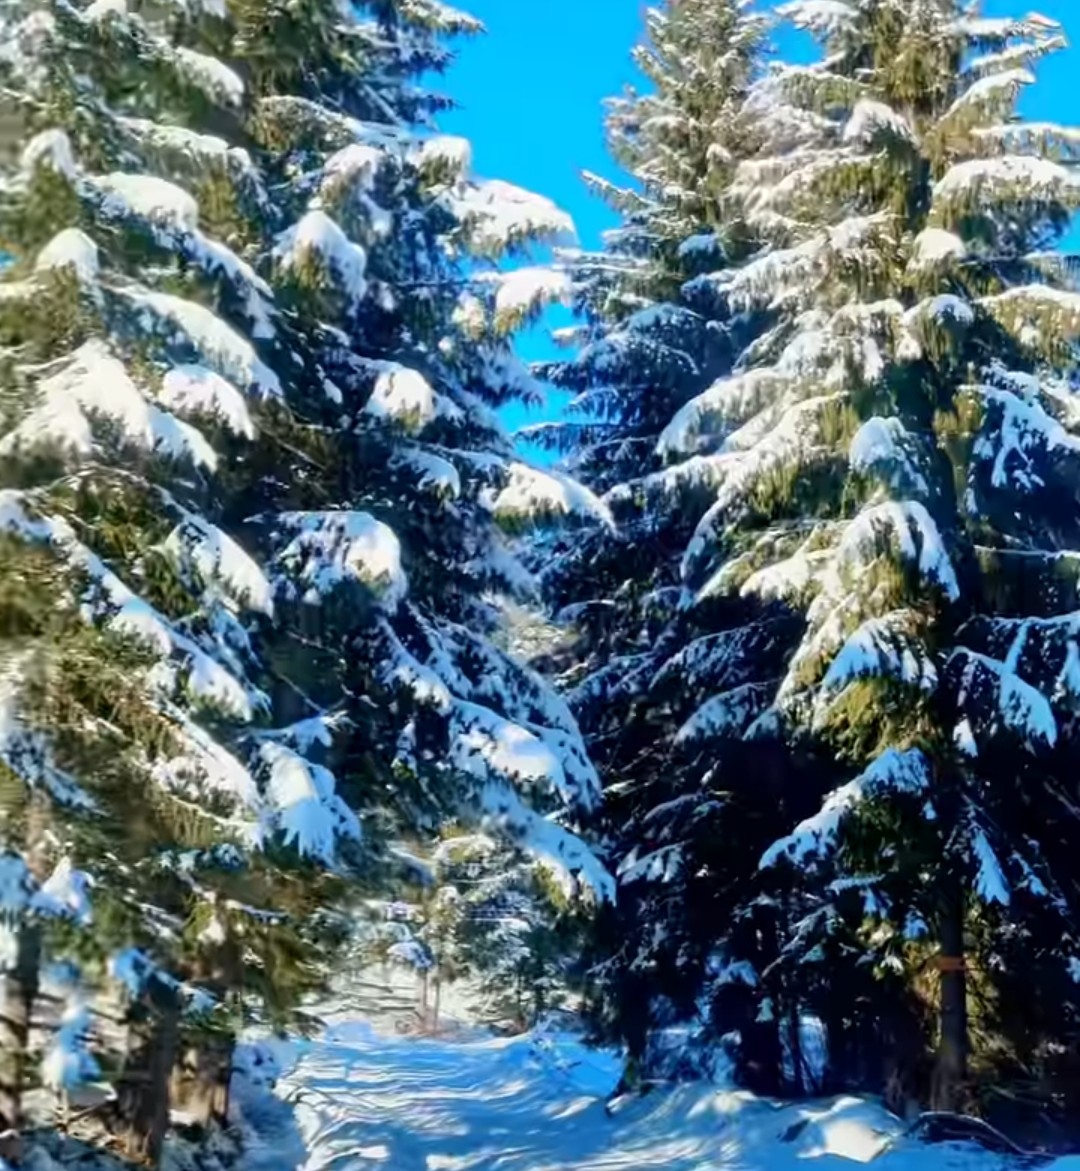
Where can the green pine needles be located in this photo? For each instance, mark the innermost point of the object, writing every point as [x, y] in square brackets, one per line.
[828, 655]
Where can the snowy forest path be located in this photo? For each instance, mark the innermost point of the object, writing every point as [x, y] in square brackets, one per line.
[357, 1100]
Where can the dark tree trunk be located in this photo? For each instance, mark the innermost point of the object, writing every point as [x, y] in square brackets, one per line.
[951, 1071]
[18, 991]
[19, 987]
[634, 1026]
[142, 1095]
[200, 1081]
[798, 1086]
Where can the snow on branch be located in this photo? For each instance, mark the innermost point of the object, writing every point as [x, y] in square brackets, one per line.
[888, 647]
[199, 767]
[197, 390]
[93, 384]
[523, 292]
[904, 528]
[305, 806]
[790, 440]
[728, 714]
[995, 698]
[406, 397]
[317, 238]
[71, 248]
[112, 602]
[441, 17]
[934, 247]
[497, 216]
[171, 215]
[571, 860]
[791, 578]
[484, 744]
[814, 840]
[871, 120]
[885, 449]
[1016, 432]
[216, 343]
[1034, 138]
[23, 749]
[1007, 179]
[991, 885]
[218, 558]
[734, 399]
[328, 549]
[212, 75]
[63, 895]
[354, 168]
[430, 469]
[545, 494]
[791, 276]
[999, 87]
[1035, 314]
[824, 18]
[997, 31]
[50, 149]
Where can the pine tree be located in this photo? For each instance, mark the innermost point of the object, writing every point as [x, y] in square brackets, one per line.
[687, 801]
[135, 737]
[895, 473]
[254, 334]
[848, 587]
[486, 921]
[386, 262]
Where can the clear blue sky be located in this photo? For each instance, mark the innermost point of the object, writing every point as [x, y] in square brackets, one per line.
[530, 95]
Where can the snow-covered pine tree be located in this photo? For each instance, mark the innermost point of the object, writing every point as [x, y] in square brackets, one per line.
[224, 507]
[898, 470]
[137, 416]
[479, 922]
[390, 543]
[689, 807]
[641, 351]
[517, 933]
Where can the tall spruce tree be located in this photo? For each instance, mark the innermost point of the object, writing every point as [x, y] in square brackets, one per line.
[895, 472]
[386, 263]
[869, 633]
[252, 487]
[137, 737]
[689, 806]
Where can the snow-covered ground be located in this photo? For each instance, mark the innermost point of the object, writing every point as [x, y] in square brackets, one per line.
[357, 1100]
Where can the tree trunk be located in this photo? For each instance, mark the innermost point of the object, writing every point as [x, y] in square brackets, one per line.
[200, 1081]
[19, 987]
[142, 1095]
[794, 1024]
[538, 1000]
[435, 1010]
[18, 991]
[951, 1071]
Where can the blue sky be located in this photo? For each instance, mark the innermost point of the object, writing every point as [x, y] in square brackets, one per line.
[530, 95]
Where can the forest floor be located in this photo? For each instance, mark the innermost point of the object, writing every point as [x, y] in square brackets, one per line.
[358, 1100]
